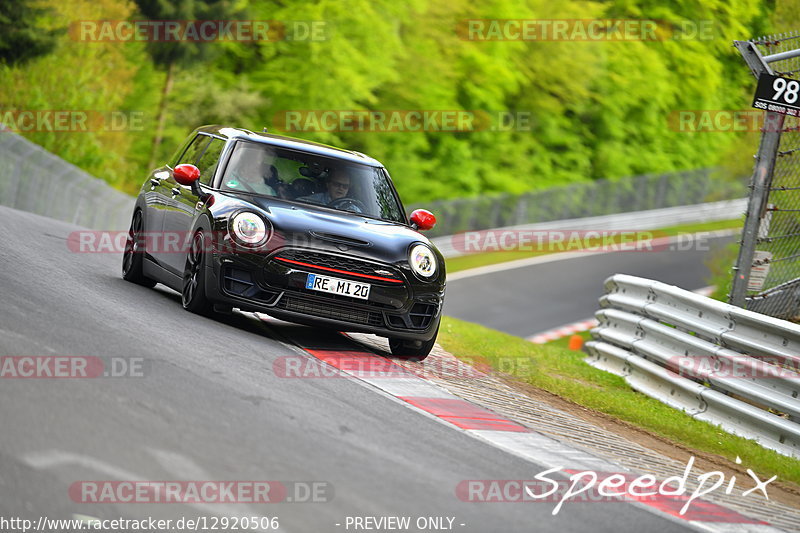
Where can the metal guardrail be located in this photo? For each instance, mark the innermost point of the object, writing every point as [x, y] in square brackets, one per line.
[637, 221]
[728, 366]
[35, 180]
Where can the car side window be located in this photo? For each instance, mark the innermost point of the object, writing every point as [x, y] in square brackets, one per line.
[209, 160]
[195, 149]
[173, 161]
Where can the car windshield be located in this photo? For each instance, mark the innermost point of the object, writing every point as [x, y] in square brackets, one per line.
[264, 170]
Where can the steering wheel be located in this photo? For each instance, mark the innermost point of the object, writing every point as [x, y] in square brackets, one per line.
[348, 204]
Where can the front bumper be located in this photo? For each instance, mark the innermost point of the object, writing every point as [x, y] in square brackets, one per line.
[403, 309]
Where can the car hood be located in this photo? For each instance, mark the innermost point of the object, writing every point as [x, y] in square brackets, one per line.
[306, 225]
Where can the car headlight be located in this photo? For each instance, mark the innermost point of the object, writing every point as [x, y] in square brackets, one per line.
[422, 261]
[249, 228]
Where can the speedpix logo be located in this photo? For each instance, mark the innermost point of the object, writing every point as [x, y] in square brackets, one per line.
[591, 486]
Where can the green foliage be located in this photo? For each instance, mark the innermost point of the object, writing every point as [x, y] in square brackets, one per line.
[595, 109]
[20, 37]
[183, 52]
[78, 77]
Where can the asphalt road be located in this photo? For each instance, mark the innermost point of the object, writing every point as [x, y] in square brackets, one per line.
[529, 300]
[209, 407]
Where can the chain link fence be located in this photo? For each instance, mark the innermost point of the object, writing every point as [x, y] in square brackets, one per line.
[596, 198]
[767, 273]
[35, 180]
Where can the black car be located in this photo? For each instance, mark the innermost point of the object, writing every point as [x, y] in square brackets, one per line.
[301, 231]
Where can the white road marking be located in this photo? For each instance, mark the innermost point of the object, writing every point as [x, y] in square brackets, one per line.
[46, 459]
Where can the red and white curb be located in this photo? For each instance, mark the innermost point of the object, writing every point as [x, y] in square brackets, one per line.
[584, 325]
[422, 395]
[563, 331]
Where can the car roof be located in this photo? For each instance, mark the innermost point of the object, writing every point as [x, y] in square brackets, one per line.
[290, 143]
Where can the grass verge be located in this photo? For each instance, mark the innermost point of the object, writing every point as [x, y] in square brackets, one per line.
[563, 372]
[475, 260]
[563, 342]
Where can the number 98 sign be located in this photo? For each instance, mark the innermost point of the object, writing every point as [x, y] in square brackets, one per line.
[777, 94]
[786, 89]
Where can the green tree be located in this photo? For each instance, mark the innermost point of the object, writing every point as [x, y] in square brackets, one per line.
[170, 55]
[21, 38]
[594, 110]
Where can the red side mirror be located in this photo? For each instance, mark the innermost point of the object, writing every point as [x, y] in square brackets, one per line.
[423, 219]
[186, 174]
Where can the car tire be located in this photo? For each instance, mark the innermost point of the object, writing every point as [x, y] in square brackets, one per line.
[412, 350]
[193, 293]
[133, 255]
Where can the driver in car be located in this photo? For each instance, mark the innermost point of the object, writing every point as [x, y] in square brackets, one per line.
[337, 187]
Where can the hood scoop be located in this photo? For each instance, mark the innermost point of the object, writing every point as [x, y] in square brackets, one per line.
[339, 239]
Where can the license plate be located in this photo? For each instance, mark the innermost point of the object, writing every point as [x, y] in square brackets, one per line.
[344, 287]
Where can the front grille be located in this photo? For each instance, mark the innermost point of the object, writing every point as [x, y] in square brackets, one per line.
[421, 315]
[329, 310]
[236, 281]
[347, 264]
[396, 321]
[239, 282]
[339, 297]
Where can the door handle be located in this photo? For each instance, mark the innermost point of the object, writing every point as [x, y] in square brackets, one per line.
[175, 191]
